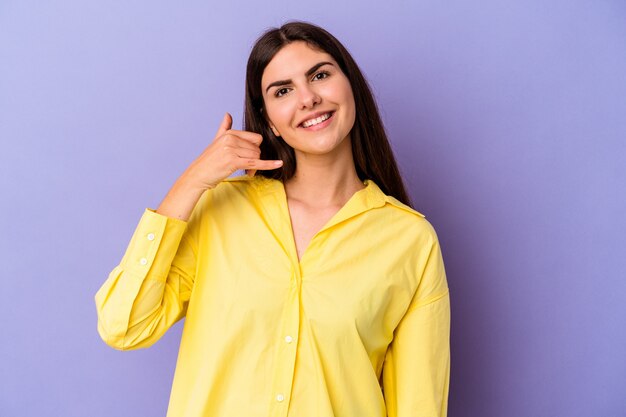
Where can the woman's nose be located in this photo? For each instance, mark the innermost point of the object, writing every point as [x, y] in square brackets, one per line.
[308, 97]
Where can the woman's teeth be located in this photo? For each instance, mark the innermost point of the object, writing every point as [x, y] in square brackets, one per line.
[313, 122]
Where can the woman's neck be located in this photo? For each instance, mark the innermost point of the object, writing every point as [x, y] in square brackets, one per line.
[324, 180]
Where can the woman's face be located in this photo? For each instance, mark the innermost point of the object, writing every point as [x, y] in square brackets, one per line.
[300, 85]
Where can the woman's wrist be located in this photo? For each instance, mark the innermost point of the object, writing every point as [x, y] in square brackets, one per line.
[181, 199]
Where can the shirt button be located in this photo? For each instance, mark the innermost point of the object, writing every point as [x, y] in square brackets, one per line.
[288, 339]
[150, 236]
[143, 261]
[280, 397]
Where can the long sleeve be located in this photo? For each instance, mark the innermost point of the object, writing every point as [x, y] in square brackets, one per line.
[416, 371]
[149, 290]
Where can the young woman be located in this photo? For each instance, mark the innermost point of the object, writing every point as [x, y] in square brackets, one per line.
[309, 285]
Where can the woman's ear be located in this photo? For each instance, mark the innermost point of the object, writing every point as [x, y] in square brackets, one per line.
[274, 130]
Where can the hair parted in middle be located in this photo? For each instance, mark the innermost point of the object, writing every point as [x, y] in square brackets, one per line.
[372, 153]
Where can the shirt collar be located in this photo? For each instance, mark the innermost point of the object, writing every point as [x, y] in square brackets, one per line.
[272, 205]
[370, 197]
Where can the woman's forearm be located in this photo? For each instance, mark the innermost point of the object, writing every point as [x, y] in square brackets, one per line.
[181, 199]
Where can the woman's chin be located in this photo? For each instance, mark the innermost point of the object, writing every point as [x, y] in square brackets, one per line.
[320, 148]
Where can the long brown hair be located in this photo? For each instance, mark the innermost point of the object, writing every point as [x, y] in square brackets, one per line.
[372, 153]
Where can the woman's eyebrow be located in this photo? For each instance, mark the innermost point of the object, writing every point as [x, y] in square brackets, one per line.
[308, 73]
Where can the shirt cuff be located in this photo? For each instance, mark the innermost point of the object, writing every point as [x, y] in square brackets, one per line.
[155, 234]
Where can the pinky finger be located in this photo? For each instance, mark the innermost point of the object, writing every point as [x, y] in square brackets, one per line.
[255, 164]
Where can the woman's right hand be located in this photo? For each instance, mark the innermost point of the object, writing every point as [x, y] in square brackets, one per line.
[231, 150]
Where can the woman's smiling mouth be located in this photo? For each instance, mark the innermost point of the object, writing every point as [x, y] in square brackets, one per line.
[318, 123]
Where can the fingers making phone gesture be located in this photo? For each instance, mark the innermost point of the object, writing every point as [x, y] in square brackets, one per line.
[231, 150]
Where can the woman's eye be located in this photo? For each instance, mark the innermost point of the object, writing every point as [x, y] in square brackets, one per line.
[324, 73]
[278, 92]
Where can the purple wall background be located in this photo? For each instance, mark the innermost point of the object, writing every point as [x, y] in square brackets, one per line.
[509, 122]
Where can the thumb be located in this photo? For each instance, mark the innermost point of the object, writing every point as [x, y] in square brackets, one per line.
[227, 123]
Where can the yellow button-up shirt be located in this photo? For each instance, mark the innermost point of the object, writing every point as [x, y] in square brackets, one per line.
[359, 327]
